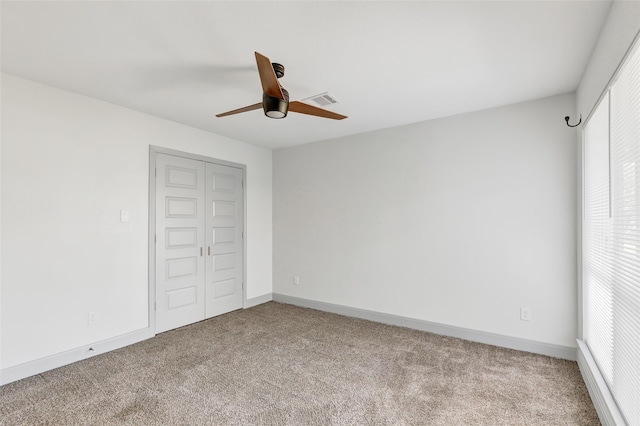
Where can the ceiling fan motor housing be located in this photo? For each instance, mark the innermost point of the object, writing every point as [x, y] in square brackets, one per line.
[274, 107]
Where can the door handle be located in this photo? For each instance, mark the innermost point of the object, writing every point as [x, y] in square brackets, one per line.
[200, 251]
[208, 250]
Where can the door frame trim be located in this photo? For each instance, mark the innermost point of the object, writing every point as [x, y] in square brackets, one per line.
[153, 151]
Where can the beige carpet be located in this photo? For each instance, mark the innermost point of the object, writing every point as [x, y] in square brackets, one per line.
[277, 364]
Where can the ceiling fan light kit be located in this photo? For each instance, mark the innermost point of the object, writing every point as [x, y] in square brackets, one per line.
[275, 98]
[274, 107]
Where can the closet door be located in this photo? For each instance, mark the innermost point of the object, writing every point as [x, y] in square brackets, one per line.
[180, 238]
[225, 233]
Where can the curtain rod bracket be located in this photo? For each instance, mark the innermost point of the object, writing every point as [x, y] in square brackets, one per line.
[575, 125]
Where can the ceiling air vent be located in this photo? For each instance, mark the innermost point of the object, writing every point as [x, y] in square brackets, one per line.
[322, 100]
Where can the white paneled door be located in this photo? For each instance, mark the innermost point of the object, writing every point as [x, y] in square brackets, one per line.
[199, 240]
[225, 231]
[180, 199]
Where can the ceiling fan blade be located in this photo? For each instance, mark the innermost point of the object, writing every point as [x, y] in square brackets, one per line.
[302, 108]
[239, 110]
[270, 85]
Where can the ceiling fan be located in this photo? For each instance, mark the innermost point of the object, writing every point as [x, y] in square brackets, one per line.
[275, 98]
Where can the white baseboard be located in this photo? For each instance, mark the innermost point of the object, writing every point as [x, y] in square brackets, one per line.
[11, 374]
[556, 351]
[21, 371]
[255, 301]
[601, 397]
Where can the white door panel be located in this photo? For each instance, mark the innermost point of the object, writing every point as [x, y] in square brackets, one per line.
[225, 227]
[179, 242]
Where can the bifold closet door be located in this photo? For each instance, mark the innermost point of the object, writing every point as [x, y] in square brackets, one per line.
[180, 238]
[199, 240]
[225, 231]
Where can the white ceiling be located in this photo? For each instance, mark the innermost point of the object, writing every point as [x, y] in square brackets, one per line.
[388, 62]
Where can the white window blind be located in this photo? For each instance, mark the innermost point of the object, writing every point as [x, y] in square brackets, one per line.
[597, 314]
[611, 237]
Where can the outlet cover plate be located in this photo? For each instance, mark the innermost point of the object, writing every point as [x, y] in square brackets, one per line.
[525, 314]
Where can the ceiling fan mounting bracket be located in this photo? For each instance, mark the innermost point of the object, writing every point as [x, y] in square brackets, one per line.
[278, 69]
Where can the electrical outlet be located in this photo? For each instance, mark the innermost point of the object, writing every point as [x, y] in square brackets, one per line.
[525, 314]
[92, 318]
[296, 280]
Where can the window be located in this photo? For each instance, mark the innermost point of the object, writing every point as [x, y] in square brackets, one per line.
[611, 237]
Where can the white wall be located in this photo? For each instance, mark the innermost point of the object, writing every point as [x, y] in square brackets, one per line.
[459, 221]
[620, 28]
[1, 77]
[69, 164]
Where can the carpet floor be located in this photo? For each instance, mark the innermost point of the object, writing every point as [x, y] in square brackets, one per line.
[277, 364]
